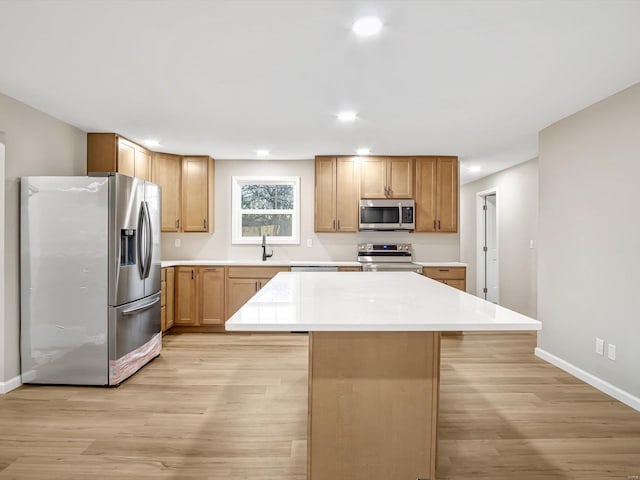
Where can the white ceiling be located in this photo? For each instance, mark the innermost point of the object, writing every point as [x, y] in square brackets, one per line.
[477, 79]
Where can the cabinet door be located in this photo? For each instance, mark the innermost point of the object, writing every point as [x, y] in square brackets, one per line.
[170, 296]
[400, 177]
[347, 194]
[459, 284]
[447, 192]
[325, 198]
[211, 295]
[143, 164]
[185, 296]
[373, 181]
[239, 291]
[126, 158]
[426, 176]
[167, 173]
[195, 198]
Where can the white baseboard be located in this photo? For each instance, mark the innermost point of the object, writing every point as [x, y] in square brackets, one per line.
[6, 387]
[606, 387]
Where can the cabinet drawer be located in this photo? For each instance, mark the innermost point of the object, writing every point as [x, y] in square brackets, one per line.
[459, 284]
[445, 273]
[349, 269]
[254, 272]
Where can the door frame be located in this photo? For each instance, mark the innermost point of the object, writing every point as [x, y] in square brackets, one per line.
[480, 235]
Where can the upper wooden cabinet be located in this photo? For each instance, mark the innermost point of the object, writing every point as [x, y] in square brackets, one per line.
[336, 194]
[197, 205]
[382, 177]
[167, 172]
[109, 152]
[436, 194]
[187, 192]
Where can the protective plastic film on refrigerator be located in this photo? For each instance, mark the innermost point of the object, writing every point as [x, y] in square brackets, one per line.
[90, 278]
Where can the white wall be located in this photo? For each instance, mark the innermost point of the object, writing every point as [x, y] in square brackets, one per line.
[36, 144]
[326, 246]
[517, 225]
[589, 250]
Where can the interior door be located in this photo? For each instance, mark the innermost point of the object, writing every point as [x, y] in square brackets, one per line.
[491, 253]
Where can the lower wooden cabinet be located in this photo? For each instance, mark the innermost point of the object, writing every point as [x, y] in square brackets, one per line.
[453, 276]
[211, 291]
[244, 282]
[185, 288]
[170, 292]
[349, 269]
[200, 296]
[167, 302]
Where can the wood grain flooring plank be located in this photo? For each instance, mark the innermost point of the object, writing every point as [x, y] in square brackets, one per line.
[221, 406]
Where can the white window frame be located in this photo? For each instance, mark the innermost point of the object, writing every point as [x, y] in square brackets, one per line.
[236, 210]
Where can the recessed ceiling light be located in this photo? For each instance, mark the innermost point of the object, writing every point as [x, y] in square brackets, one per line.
[474, 168]
[262, 153]
[363, 151]
[367, 26]
[347, 116]
[151, 142]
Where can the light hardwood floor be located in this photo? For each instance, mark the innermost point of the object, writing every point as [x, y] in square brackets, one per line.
[235, 407]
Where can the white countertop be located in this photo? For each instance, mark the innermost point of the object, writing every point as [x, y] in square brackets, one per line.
[364, 301]
[289, 263]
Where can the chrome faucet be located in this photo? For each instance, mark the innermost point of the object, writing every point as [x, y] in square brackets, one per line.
[265, 255]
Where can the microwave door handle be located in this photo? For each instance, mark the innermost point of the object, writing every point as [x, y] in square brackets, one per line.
[141, 217]
[400, 214]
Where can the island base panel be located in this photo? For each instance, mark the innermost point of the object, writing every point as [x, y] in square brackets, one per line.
[373, 405]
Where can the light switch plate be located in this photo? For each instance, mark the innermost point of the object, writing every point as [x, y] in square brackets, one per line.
[176, 242]
[599, 346]
[309, 242]
[611, 352]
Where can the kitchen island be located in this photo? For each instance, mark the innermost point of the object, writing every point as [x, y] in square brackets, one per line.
[374, 363]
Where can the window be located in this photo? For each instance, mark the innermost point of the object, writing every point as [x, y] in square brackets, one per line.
[265, 206]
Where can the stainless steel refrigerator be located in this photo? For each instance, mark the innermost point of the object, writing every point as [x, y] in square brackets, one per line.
[90, 278]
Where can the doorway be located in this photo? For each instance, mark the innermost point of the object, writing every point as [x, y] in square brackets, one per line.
[488, 279]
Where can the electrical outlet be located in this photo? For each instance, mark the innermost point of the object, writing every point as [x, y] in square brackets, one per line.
[309, 242]
[176, 242]
[599, 346]
[611, 352]
[530, 243]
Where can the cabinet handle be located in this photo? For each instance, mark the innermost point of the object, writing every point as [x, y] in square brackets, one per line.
[204, 222]
[438, 224]
[443, 270]
[257, 286]
[211, 269]
[333, 224]
[177, 224]
[338, 224]
[192, 275]
[434, 224]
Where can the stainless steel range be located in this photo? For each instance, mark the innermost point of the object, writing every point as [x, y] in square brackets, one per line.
[387, 257]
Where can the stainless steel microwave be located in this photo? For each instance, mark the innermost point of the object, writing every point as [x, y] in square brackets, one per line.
[387, 214]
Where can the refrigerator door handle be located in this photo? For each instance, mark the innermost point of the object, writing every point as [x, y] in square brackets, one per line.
[149, 238]
[146, 306]
[141, 221]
